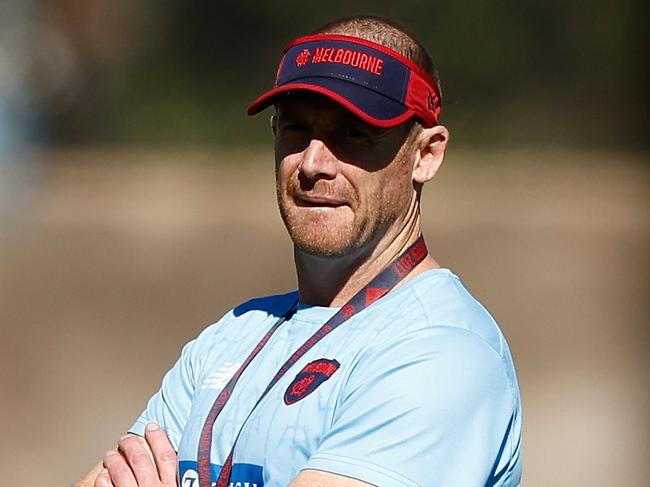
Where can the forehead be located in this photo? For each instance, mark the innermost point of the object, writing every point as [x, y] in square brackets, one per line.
[316, 109]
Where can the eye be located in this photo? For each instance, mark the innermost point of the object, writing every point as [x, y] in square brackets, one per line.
[295, 127]
[355, 133]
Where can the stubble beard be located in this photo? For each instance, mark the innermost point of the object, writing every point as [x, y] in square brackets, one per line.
[316, 235]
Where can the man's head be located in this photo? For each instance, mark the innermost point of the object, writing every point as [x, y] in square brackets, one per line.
[356, 135]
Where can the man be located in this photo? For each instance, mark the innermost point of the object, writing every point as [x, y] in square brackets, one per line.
[381, 369]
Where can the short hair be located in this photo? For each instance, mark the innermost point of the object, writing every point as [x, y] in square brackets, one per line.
[385, 32]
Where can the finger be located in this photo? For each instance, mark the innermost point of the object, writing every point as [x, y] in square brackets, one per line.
[163, 453]
[103, 479]
[138, 458]
[119, 470]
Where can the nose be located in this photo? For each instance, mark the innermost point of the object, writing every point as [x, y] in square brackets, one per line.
[318, 161]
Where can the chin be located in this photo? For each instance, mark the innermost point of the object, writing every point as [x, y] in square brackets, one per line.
[322, 238]
[323, 248]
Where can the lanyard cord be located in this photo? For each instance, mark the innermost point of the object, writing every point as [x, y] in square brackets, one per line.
[375, 289]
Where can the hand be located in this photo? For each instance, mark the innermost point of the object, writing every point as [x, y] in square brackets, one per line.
[138, 462]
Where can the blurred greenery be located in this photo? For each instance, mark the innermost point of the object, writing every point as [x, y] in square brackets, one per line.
[553, 73]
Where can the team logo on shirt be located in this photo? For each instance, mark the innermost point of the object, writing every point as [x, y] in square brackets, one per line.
[309, 378]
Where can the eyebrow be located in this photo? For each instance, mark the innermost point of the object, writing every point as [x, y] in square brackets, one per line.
[343, 118]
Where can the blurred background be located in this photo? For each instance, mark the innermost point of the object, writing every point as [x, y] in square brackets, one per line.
[137, 205]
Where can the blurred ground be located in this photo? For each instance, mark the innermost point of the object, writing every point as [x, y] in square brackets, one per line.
[115, 259]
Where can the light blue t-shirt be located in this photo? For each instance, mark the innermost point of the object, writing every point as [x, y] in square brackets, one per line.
[418, 389]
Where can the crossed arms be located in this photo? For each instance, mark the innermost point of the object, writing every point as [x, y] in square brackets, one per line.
[151, 462]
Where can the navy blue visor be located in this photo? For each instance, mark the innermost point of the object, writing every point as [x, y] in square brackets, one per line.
[377, 84]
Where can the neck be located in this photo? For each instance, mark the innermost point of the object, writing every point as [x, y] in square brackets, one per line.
[333, 281]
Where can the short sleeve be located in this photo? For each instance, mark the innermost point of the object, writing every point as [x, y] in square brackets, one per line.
[434, 408]
[170, 406]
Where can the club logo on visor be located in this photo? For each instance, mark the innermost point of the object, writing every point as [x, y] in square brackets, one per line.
[309, 378]
[303, 58]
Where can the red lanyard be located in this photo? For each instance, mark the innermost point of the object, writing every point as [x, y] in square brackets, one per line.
[375, 289]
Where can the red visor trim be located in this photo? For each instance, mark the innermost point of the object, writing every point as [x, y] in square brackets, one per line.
[384, 123]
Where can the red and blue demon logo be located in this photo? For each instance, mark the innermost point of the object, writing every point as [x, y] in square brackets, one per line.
[309, 378]
[302, 58]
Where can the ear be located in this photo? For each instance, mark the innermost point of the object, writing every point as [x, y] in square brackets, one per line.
[431, 143]
[274, 124]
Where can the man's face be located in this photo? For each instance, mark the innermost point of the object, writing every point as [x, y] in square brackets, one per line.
[341, 183]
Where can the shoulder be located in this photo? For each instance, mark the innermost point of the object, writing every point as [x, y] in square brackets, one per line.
[237, 328]
[438, 299]
[447, 302]
[438, 358]
[434, 324]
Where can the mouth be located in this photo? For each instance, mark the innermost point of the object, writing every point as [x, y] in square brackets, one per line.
[314, 201]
